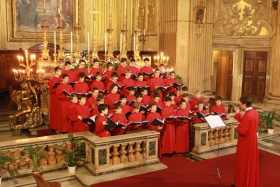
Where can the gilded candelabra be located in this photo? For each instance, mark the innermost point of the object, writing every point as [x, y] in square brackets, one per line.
[94, 54]
[45, 52]
[136, 35]
[124, 32]
[61, 51]
[110, 31]
[161, 59]
[29, 114]
[77, 54]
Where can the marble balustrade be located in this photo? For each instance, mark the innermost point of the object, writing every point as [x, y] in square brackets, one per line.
[207, 139]
[101, 155]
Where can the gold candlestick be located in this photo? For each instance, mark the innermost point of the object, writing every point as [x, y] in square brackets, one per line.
[124, 32]
[94, 54]
[61, 51]
[77, 54]
[110, 31]
[136, 34]
[45, 52]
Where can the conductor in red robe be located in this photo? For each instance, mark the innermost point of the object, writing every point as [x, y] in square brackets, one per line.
[247, 153]
[53, 99]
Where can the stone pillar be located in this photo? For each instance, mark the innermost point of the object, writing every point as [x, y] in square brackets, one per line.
[190, 55]
[273, 83]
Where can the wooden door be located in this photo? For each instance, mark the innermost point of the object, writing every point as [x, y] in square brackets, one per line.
[254, 74]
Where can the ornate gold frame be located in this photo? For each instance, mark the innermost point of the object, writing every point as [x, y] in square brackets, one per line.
[197, 8]
[14, 36]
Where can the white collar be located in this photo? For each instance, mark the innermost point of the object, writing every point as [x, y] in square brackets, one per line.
[249, 108]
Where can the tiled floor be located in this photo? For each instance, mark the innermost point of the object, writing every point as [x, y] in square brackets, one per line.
[71, 183]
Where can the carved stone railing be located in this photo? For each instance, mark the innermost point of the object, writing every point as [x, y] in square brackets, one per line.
[207, 139]
[102, 155]
[123, 152]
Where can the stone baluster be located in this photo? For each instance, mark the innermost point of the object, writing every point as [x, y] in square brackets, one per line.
[211, 140]
[216, 136]
[144, 149]
[138, 155]
[131, 156]
[226, 135]
[229, 133]
[222, 135]
[115, 155]
[123, 151]
[111, 155]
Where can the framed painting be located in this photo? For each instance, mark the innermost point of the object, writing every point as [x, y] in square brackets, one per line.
[200, 12]
[26, 17]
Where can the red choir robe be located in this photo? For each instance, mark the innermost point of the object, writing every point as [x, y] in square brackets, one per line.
[168, 135]
[70, 74]
[127, 82]
[182, 96]
[135, 117]
[220, 109]
[197, 120]
[100, 128]
[150, 117]
[77, 71]
[146, 69]
[130, 98]
[109, 84]
[78, 125]
[81, 87]
[156, 81]
[146, 99]
[125, 108]
[171, 81]
[141, 83]
[182, 132]
[120, 72]
[91, 102]
[247, 153]
[134, 70]
[97, 84]
[108, 74]
[94, 70]
[194, 102]
[159, 103]
[175, 106]
[70, 113]
[140, 103]
[110, 100]
[95, 111]
[54, 123]
[119, 117]
[63, 103]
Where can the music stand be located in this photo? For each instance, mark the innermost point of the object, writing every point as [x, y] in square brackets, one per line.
[215, 121]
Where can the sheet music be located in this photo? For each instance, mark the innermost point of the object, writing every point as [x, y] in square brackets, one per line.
[215, 121]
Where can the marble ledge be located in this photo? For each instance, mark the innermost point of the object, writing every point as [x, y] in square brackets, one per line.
[87, 135]
[82, 175]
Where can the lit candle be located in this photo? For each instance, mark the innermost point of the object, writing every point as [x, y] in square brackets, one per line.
[54, 35]
[144, 32]
[88, 44]
[134, 43]
[105, 40]
[77, 12]
[71, 43]
[121, 43]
